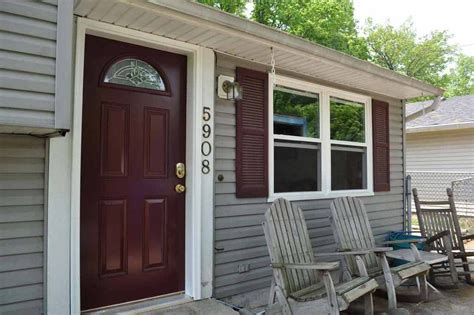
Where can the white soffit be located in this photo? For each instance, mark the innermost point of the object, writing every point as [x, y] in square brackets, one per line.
[205, 26]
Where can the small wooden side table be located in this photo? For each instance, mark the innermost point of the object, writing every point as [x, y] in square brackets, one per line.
[407, 254]
[427, 257]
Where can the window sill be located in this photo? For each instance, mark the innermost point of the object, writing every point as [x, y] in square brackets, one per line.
[311, 195]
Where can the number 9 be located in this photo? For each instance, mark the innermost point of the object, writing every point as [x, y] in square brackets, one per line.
[206, 130]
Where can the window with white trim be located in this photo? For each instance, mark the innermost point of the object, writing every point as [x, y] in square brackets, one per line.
[320, 141]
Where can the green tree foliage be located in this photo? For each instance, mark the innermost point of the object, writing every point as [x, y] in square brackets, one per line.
[289, 104]
[461, 78]
[331, 23]
[400, 49]
[328, 22]
[347, 121]
[236, 7]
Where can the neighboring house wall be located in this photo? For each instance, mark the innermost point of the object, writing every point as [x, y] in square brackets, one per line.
[239, 236]
[27, 63]
[22, 183]
[441, 151]
[437, 160]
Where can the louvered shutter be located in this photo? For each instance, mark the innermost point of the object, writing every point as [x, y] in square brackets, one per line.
[252, 134]
[381, 145]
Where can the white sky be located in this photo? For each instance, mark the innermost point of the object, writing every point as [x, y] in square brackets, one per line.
[455, 16]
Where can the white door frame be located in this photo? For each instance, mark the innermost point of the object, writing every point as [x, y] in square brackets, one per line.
[199, 194]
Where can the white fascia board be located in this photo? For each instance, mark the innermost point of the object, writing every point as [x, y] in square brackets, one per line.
[442, 127]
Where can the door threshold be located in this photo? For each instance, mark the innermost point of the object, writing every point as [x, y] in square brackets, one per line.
[144, 305]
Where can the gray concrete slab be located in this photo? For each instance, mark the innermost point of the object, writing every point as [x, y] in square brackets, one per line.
[458, 301]
[202, 307]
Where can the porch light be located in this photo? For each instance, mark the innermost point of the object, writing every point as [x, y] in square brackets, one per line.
[228, 88]
[233, 90]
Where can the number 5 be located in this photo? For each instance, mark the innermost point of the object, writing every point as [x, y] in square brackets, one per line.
[206, 113]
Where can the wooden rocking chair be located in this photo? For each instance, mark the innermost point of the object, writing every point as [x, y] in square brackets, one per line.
[352, 231]
[301, 285]
[439, 223]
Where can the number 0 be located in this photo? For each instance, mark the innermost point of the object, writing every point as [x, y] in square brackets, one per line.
[206, 148]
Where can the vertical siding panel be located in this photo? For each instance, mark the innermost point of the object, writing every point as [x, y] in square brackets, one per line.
[239, 237]
[22, 161]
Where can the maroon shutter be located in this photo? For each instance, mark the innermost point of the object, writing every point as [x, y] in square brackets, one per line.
[252, 134]
[381, 145]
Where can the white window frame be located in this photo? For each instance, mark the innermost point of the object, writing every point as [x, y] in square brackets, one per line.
[324, 139]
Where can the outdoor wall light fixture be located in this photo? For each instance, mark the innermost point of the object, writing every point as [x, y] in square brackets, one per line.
[228, 89]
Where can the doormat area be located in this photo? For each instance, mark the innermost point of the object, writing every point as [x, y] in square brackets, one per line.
[202, 307]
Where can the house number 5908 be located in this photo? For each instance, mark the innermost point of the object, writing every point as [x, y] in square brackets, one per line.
[206, 147]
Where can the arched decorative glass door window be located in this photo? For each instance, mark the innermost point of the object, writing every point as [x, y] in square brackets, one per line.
[135, 73]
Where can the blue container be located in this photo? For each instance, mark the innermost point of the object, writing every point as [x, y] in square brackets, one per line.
[402, 235]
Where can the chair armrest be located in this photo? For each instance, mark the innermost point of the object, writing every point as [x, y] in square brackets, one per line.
[309, 266]
[413, 240]
[381, 249]
[344, 253]
[437, 236]
[468, 237]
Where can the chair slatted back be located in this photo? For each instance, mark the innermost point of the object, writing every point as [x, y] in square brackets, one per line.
[438, 216]
[352, 230]
[289, 243]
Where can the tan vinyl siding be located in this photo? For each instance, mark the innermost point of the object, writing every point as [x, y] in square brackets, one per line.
[22, 181]
[442, 151]
[238, 233]
[27, 62]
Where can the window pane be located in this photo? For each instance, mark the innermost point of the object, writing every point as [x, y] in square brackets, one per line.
[348, 168]
[347, 120]
[297, 167]
[296, 113]
[135, 73]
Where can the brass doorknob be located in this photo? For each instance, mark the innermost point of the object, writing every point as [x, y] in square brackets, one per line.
[180, 188]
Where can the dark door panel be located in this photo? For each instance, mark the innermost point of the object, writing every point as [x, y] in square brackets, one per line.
[132, 220]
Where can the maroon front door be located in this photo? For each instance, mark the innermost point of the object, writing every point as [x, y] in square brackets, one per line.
[133, 135]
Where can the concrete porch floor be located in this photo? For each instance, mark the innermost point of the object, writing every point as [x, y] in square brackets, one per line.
[458, 301]
[202, 307]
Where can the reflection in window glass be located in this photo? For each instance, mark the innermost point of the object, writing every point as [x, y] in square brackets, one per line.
[135, 73]
[348, 168]
[297, 167]
[296, 113]
[347, 120]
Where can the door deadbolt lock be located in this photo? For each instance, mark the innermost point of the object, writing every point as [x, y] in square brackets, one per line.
[180, 188]
[180, 170]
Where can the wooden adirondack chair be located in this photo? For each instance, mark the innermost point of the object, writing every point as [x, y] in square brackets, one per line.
[439, 223]
[352, 231]
[301, 285]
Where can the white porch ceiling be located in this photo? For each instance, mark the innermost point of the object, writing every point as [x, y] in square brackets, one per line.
[204, 26]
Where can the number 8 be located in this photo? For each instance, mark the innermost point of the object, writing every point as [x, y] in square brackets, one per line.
[205, 167]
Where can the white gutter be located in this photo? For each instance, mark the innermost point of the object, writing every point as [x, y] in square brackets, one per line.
[454, 126]
[434, 106]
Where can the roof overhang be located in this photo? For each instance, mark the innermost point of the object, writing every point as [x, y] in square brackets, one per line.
[225, 33]
[443, 127]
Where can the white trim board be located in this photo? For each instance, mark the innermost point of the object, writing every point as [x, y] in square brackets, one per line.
[65, 173]
[441, 127]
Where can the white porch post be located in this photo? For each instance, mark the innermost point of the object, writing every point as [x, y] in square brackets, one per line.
[58, 227]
